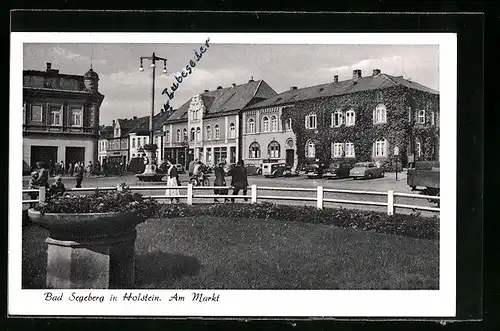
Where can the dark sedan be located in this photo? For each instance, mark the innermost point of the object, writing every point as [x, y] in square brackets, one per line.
[338, 170]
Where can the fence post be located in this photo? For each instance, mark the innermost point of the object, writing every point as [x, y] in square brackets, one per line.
[254, 193]
[390, 202]
[319, 202]
[41, 194]
[190, 194]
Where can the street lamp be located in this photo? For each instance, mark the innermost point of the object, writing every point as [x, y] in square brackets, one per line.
[151, 153]
[396, 156]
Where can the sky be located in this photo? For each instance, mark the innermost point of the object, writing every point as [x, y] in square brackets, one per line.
[127, 92]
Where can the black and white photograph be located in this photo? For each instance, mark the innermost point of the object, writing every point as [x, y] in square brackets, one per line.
[185, 173]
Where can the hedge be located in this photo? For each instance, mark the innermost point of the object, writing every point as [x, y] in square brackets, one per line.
[413, 225]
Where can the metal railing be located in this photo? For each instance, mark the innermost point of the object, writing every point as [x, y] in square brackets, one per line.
[254, 196]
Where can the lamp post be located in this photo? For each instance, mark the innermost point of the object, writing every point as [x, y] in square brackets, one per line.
[151, 153]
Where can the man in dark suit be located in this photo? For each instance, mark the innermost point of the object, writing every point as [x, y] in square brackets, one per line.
[239, 179]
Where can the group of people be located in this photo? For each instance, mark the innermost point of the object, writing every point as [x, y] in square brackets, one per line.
[40, 178]
[72, 168]
[239, 180]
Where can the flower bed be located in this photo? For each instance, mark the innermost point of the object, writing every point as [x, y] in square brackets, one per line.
[412, 225]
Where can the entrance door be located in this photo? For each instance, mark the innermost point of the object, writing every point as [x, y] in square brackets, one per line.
[289, 157]
[75, 154]
[43, 153]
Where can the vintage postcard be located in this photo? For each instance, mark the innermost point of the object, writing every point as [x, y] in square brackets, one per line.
[233, 174]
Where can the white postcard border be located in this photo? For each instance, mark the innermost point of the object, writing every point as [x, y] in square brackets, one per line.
[423, 303]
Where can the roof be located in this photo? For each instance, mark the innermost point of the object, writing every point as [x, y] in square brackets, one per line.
[229, 99]
[106, 132]
[368, 83]
[158, 121]
[53, 80]
[129, 125]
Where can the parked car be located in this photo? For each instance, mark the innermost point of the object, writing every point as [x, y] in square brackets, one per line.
[338, 170]
[314, 170]
[276, 170]
[252, 169]
[366, 170]
[228, 167]
[180, 169]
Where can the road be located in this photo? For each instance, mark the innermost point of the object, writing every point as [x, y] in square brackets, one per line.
[385, 184]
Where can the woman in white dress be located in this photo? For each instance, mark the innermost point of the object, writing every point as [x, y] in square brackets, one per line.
[173, 180]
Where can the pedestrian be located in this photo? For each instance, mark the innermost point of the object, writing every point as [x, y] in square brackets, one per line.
[63, 169]
[239, 179]
[57, 169]
[79, 175]
[105, 168]
[191, 167]
[33, 185]
[173, 180]
[43, 174]
[71, 168]
[220, 181]
[90, 169]
[57, 188]
[51, 168]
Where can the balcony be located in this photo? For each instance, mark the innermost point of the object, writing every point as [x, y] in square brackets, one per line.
[59, 129]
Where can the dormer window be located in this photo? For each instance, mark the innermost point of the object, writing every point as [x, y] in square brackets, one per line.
[337, 119]
[311, 121]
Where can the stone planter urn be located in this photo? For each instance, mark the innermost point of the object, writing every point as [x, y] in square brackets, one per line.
[89, 250]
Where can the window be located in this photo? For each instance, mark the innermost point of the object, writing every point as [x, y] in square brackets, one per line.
[133, 142]
[288, 126]
[310, 149]
[167, 136]
[349, 150]
[232, 131]
[337, 149]
[336, 119]
[144, 142]
[185, 134]
[273, 149]
[36, 113]
[178, 137]
[209, 155]
[433, 117]
[380, 114]
[421, 116]
[251, 126]
[192, 134]
[198, 134]
[418, 148]
[274, 123]
[380, 147]
[350, 117]
[265, 124]
[209, 133]
[76, 118]
[311, 121]
[254, 150]
[133, 155]
[55, 115]
[217, 131]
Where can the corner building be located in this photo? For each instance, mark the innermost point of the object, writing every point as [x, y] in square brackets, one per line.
[60, 116]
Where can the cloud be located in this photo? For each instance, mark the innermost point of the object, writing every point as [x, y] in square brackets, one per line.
[60, 51]
[372, 63]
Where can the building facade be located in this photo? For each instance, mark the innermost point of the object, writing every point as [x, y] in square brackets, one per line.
[208, 126]
[364, 119]
[105, 133]
[60, 116]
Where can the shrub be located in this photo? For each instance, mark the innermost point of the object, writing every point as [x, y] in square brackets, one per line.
[100, 202]
[413, 225]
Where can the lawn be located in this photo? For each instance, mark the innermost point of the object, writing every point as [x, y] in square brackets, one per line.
[237, 253]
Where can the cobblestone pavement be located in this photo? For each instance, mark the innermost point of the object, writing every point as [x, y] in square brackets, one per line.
[389, 182]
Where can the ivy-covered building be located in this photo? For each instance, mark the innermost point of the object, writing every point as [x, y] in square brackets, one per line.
[361, 119]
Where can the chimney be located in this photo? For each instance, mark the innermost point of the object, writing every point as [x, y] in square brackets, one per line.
[376, 72]
[293, 88]
[49, 66]
[234, 84]
[219, 87]
[356, 74]
[250, 80]
[205, 91]
[135, 117]
[336, 78]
